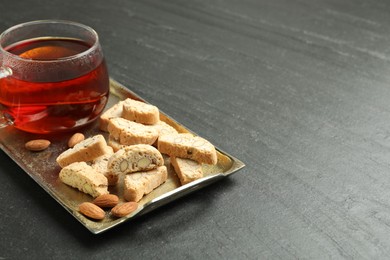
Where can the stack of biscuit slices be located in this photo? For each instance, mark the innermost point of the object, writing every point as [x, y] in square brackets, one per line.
[137, 138]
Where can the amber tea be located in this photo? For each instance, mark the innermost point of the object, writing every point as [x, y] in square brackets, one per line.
[57, 84]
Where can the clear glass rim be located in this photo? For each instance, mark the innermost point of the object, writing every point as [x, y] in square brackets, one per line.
[93, 47]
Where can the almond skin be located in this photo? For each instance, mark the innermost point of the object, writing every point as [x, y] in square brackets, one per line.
[106, 200]
[90, 210]
[75, 139]
[124, 209]
[37, 145]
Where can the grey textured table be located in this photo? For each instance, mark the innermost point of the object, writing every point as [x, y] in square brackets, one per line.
[298, 90]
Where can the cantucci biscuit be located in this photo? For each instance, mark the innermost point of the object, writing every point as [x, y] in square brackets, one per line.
[84, 151]
[100, 166]
[186, 169]
[128, 132]
[189, 147]
[163, 129]
[140, 112]
[83, 177]
[138, 184]
[115, 144]
[133, 158]
[112, 112]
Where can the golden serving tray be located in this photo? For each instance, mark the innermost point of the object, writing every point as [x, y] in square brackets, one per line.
[42, 167]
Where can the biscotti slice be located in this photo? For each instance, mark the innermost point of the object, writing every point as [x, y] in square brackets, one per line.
[133, 158]
[189, 147]
[137, 185]
[84, 151]
[140, 112]
[128, 132]
[113, 112]
[163, 129]
[186, 169]
[100, 166]
[112, 142]
[83, 177]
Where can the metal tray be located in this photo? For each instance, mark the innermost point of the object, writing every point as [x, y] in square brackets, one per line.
[42, 167]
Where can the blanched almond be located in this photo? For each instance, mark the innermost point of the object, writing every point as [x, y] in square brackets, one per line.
[124, 165]
[143, 163]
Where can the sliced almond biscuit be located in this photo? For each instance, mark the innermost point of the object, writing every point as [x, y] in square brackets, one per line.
[163, 129]
[115, 144]
[113, 112]
[186, 169]
[140, 112]
[84, 151]
[137, 185]
[189, 147]
[128, 132]
[133, 158]
[100, 166]
[83, 177]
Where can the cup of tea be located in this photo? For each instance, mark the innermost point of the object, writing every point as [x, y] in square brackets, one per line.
[53, 76]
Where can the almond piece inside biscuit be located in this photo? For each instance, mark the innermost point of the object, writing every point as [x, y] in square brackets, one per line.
[87, 188]
[144, 162]
[124, 165]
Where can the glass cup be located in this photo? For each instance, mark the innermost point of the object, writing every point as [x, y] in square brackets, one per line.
[53, 76]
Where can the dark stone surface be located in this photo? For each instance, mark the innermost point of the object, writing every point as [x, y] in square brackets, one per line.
[298, 90]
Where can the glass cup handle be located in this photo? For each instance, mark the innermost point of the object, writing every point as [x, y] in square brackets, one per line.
[5, 119]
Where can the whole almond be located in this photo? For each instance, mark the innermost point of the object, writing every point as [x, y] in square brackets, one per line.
[37, 145]
[106, 200]
[75, 139]
[90, 210]
[124, 209]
